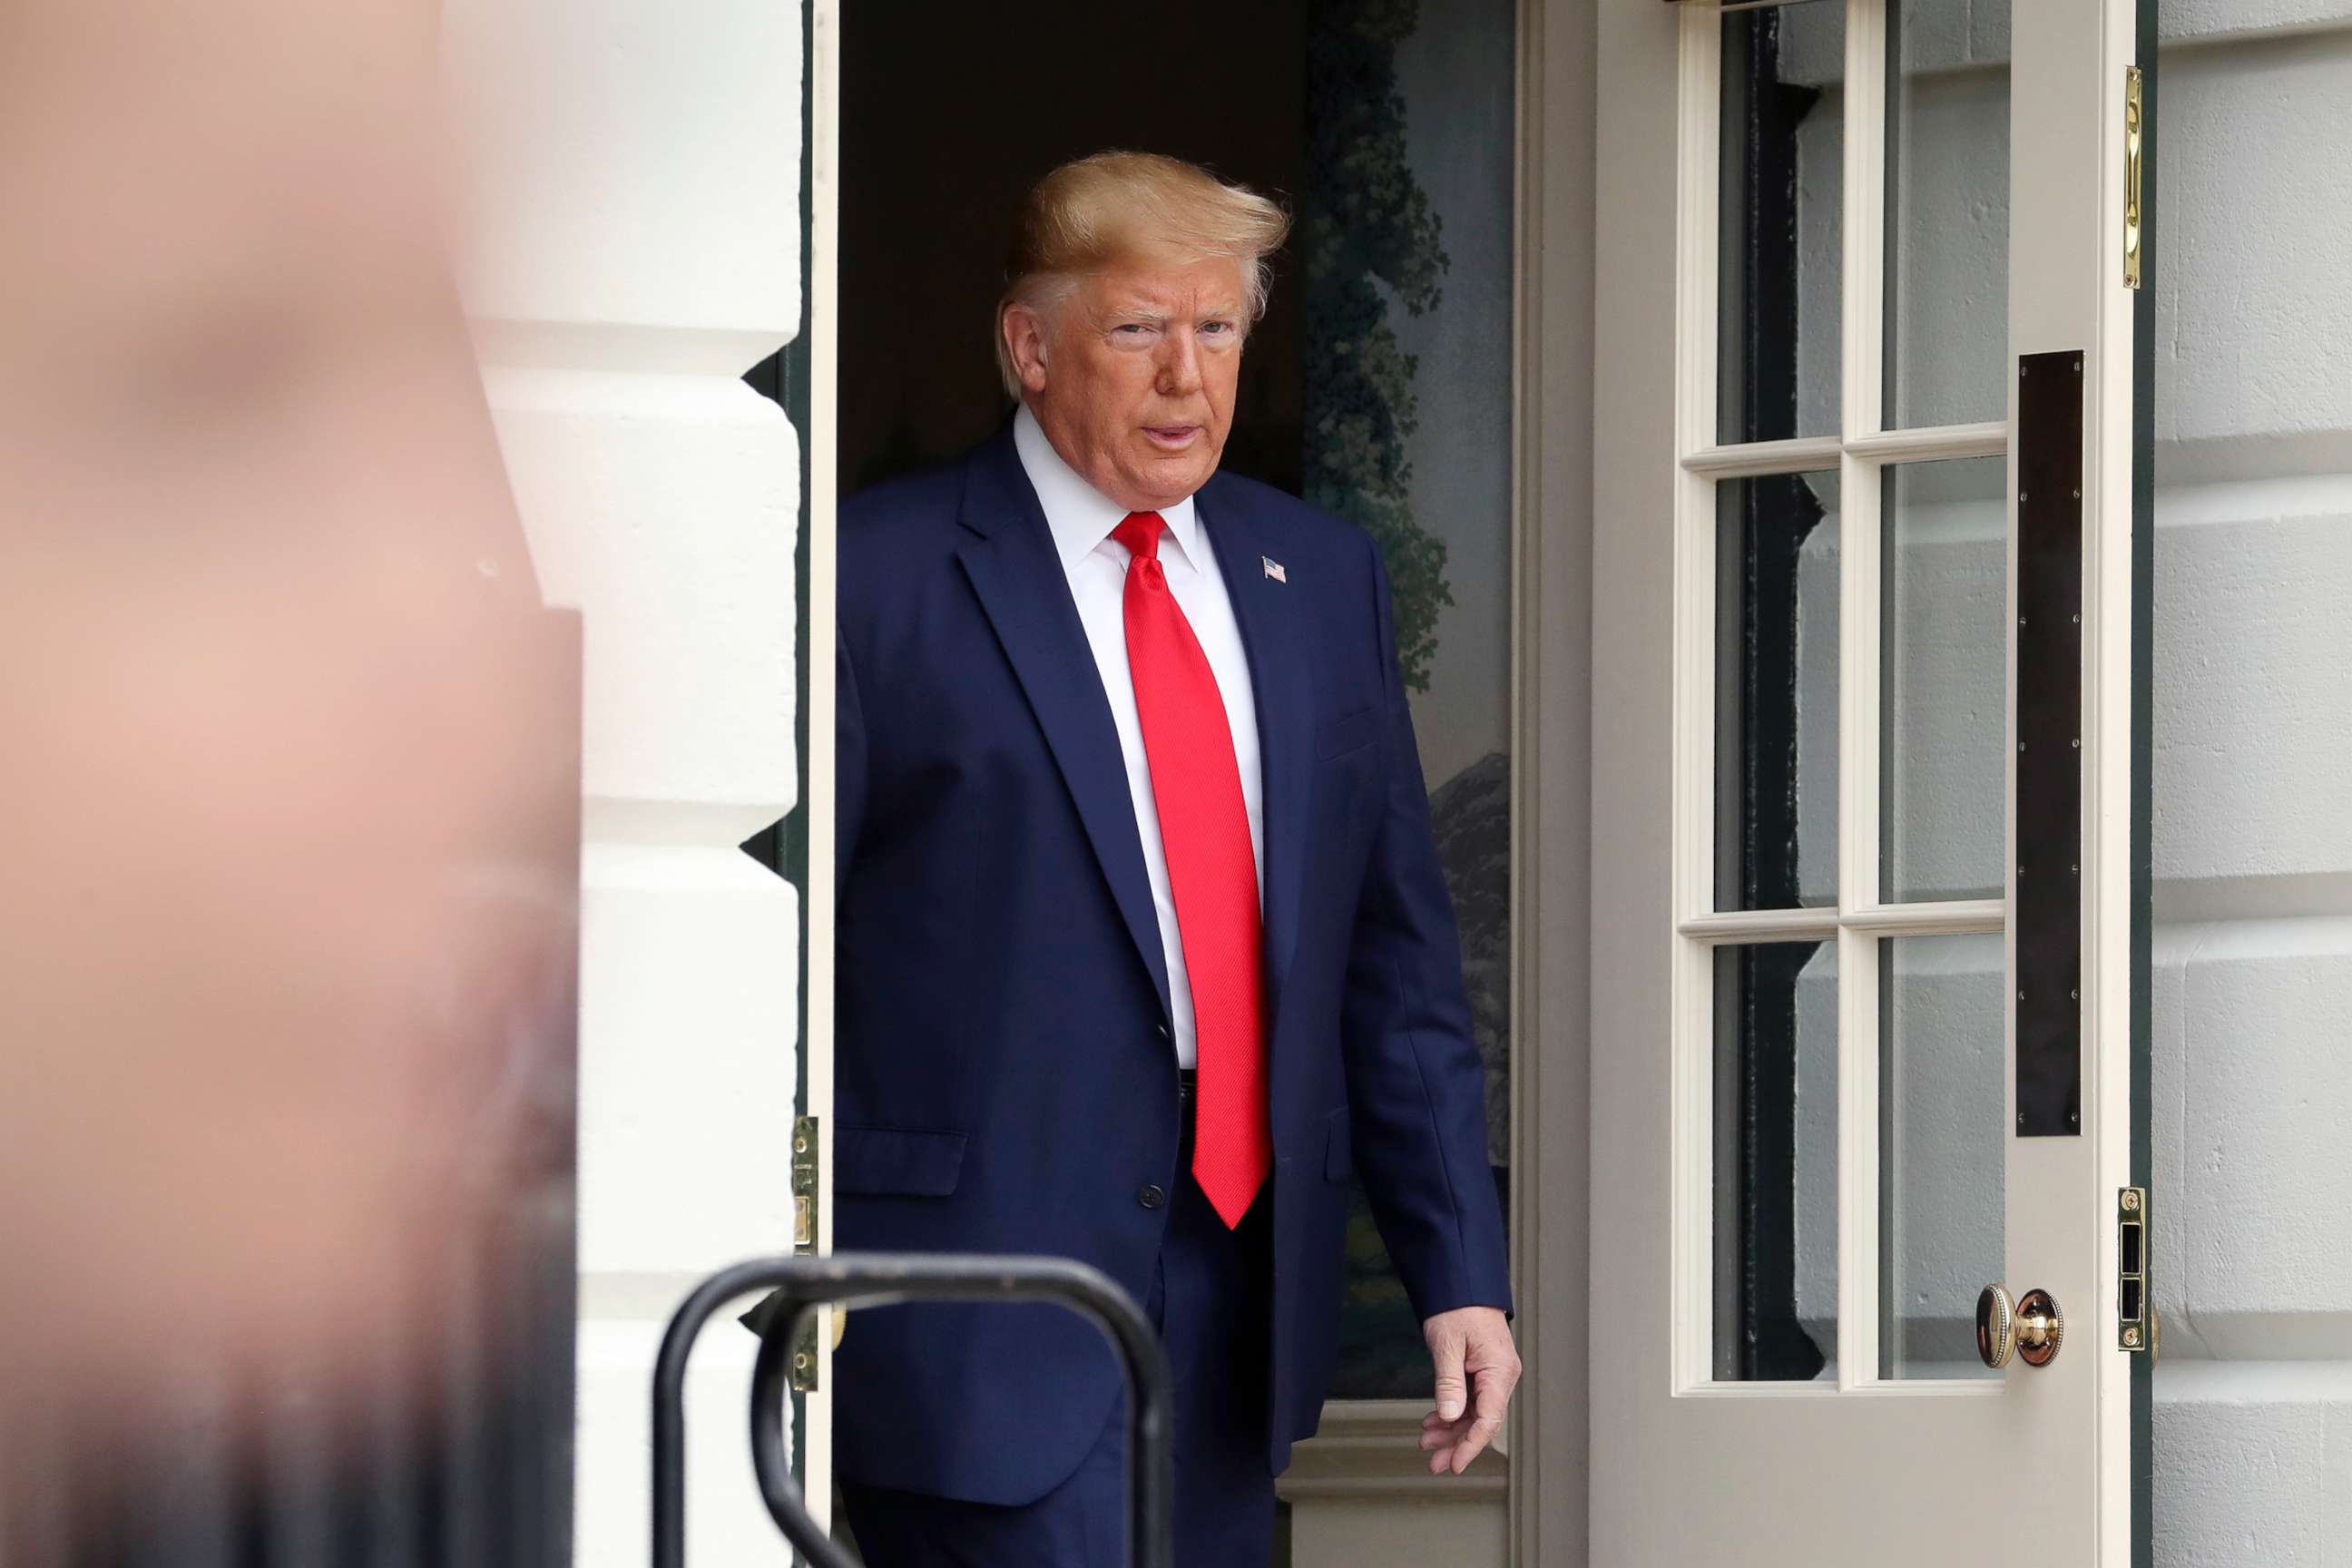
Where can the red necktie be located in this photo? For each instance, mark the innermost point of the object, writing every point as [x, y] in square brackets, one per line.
[1196, 787]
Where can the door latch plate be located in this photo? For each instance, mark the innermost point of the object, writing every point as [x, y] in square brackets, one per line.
[804, 1184]
[2136, 1329]
[805, 1138]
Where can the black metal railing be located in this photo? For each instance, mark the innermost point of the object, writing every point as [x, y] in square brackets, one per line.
[874, 1279]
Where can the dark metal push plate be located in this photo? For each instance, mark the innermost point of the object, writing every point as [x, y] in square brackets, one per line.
[2048, 803]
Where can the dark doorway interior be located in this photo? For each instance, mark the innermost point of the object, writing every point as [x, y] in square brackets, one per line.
[1378, 386]
[950, 112]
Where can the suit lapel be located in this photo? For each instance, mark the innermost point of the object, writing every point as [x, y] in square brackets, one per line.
[1026, 594]
[1280, 675]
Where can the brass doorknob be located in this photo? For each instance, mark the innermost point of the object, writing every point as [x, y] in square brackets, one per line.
[2031, 1328]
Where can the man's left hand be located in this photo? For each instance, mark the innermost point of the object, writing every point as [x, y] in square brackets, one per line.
[1477, 1367]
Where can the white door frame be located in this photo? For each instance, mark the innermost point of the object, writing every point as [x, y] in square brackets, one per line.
[1365, 1456]
[1551, 573]
[824, 296]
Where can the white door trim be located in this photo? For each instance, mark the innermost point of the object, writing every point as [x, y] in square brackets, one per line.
[1551, 753]
[823, 285]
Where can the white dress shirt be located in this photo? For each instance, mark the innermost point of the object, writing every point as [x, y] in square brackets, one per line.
[1081, 518]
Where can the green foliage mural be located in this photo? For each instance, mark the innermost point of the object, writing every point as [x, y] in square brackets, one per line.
[1368, 236]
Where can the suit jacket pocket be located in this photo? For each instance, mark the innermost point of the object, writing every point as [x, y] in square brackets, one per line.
[1338, 1150]
[1352, 733]
[891, 1162]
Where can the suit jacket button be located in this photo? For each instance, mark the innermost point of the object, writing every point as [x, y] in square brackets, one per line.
[1152, 1195]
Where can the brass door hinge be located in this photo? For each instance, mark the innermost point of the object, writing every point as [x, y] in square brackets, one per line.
[2135, 124]
[804, 1356]
[2136, 1328]
[806, 1138]
[804, 1184]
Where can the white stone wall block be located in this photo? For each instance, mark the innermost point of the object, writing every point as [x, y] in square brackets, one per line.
[1820, 225]
[690, 971]
[2168, 1121]
[1817, 632]
[1945, 696]
[1947, 286]
[2240, 1483]
[666, 507]
[1813, 44]
[2334, 1497]
[1988, 29]
[2196, 18]
[1817, 1161]
[2253, 735]
[727, 1524]
[1944, 1145]
[1943, 1172]
[2254, 1262]
[632, 164]
[2249, 242]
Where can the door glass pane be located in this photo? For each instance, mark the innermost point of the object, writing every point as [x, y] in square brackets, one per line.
[1783, 118]
[1942, 1144]
[1387, 371]
[1946, 212]
[1776, 692]
[1945, 559]
[1776, 1163]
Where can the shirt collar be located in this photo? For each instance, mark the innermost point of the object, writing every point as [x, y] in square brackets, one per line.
[1080, 516]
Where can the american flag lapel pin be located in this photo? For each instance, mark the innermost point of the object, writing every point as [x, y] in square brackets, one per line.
[1274, 569]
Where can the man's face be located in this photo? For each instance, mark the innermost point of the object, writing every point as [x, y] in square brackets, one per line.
[1132, 376]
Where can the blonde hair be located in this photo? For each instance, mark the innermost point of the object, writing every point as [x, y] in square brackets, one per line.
[1097, 211]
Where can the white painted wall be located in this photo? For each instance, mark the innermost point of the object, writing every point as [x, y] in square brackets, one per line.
[2253, 749]
[633, 221]
[2254, 787]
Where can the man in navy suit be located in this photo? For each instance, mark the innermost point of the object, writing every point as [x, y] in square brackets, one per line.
[1144, 948]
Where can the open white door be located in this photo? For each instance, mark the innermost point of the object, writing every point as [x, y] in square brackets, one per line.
[1864, 706]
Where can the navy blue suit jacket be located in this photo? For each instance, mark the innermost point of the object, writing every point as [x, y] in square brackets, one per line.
[1006, 1079]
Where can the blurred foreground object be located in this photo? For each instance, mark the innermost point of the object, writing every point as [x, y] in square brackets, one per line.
[289, 788]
